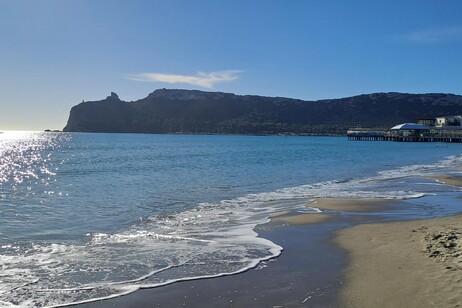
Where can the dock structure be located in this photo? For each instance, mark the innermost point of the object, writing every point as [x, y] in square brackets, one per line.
[440, 129]
[364, 134]
[407, 134]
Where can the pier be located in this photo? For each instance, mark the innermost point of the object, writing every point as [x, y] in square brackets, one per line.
[431, 135]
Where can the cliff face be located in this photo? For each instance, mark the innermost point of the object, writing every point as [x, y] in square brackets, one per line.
[109, 115]
[190, 111]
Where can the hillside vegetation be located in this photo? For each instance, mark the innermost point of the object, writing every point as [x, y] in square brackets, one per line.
[198, 112]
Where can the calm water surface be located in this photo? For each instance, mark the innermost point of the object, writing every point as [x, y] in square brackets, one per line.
[87, 216]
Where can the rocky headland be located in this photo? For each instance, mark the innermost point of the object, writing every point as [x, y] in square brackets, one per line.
[199, 112]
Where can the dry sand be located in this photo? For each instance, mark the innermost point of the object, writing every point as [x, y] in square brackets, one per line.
[403, 264]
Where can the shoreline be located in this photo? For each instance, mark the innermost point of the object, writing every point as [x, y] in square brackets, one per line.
[306, 273]
[336, 258]
[452, 180]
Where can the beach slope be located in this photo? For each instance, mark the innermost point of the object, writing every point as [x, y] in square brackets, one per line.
[403, 264]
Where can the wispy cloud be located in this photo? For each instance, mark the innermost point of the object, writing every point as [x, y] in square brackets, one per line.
[434, 36]
[201, 79]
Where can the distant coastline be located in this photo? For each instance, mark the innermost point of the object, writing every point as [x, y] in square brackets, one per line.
[167, 111]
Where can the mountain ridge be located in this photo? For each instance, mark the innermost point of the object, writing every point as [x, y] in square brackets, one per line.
[201, 112]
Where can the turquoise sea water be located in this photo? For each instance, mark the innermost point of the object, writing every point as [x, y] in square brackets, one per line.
[88, 216]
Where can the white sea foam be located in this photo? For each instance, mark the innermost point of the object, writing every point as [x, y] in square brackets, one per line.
[223, 249]
[210, 240]
[103, 238]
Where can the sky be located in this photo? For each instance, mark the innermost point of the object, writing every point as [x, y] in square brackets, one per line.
[56, 53]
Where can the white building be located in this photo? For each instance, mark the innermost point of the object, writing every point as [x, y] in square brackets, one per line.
[453, 121]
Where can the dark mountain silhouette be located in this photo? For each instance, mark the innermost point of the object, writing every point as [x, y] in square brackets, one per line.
[192, 111]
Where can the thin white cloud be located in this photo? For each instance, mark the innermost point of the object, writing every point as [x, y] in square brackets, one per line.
[201, 79]
[434, 36]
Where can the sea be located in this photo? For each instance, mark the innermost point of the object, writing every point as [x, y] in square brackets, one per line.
[87, 216]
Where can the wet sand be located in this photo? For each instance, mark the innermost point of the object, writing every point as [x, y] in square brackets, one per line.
[449, 180]
[330, 205]
[403, 264]
[399, 264]
[292, 218]
[351, 205]
[306, 274]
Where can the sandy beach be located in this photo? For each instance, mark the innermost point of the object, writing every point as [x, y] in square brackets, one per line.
[403, 264]
[307, 274]
[394, 264]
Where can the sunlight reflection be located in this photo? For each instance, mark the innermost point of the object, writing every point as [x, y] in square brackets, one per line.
[25, 156]
[16, 134]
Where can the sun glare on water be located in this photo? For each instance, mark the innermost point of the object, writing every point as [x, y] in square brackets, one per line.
[17, 134]
[24, 155]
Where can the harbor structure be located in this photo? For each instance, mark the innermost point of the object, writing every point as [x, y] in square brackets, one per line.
[449, 121]
[440, 129]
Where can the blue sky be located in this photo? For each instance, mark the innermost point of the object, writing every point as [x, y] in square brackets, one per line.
[56, 53]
